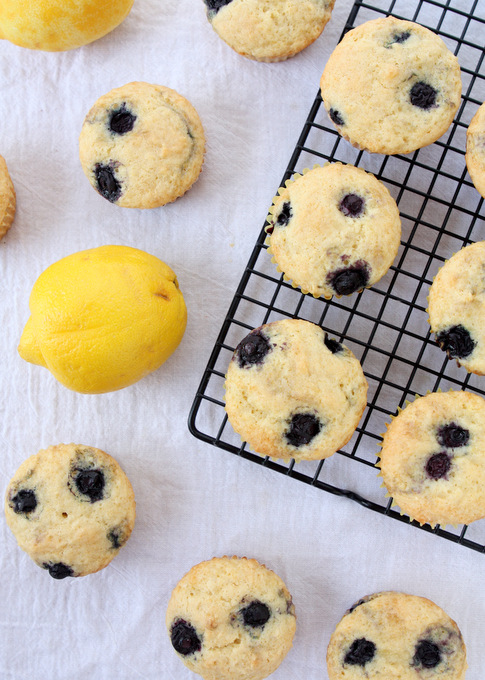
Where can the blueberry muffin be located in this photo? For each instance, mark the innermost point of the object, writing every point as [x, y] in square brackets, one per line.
[269, 30]
[334, 230]
[71, 508]
[475, 150]
[294, 392]
[231, 618]
[7, 199]
[433, 458]
[456, 307]
[142, 145]
[397, 637]
[391, 86]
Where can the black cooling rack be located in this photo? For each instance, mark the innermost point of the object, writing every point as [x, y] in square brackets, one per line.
[385, 326]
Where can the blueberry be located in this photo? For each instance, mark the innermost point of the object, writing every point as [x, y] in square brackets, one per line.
[336, 117]
[252, 349]
[332, 344]
[121, 121]
[452, 435]
[438, 465]
[215, 5]
[427, 654]
[255, 614]
[361, 651]
[58, 570]
[456, 342]
[303, 428]
[363, 600]
[399, 38]
[117, 537]
[349, 279]
[285, 215]
[352, 205]
[423, 95]
[184, 638]
[24, 501]
[106, 183]
[90, 483]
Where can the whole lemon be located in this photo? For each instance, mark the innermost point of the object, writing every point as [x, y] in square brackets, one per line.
[101, 319]
[56, 25]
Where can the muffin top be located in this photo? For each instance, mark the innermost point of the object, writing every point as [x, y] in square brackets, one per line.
[433, 458]
[391, 86]
[231, 618]
[294, 392]
[142, 145]
[71, 508]
[396, 636]
[334, 230]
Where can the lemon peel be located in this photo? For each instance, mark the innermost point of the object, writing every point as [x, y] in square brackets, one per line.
[102, 319]
[56, 25]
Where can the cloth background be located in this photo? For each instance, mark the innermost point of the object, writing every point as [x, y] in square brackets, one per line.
[193, 501]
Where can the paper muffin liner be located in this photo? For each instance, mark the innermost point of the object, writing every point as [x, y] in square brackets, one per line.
[290, 52]
[268, 60]
[7, 199]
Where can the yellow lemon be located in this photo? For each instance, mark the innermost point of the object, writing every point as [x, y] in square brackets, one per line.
[101, 319]
[55, 25]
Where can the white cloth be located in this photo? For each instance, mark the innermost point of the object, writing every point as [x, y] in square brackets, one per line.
[194, 501]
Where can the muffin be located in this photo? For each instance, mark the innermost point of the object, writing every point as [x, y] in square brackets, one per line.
[475, 150]
[71, 508]
[456, 307]
[334, 230]
[142, 145]
[231, 618]
[7, 199]
[391, 86]
[294, 392]
[433, 458]
[396, 636]
[268, 30]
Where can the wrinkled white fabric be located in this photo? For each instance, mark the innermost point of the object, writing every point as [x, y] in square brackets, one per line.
[194, 501]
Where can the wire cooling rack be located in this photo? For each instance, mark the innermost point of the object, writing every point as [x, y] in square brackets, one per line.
[386, 326]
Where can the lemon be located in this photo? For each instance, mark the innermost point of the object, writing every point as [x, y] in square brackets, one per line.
[101, 319]
[55, 25]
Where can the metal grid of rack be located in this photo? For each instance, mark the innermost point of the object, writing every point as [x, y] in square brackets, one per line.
[386, 326]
